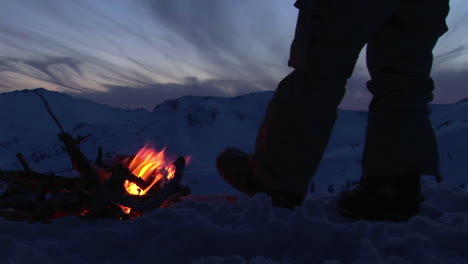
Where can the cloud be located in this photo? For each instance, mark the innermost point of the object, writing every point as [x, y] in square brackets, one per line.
[245, 39]
[43, 70]
[89, 43]
[139, 53]
[451, 55]
[69, 73]
[102, 56]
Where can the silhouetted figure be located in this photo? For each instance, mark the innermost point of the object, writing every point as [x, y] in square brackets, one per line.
[400, 142]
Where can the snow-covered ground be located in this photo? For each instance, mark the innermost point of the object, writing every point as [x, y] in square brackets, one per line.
[249, 232]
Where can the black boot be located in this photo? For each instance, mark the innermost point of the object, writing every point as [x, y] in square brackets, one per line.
[381, 198]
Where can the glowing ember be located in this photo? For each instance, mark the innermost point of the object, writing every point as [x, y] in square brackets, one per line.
[150, 165]
[126, 209]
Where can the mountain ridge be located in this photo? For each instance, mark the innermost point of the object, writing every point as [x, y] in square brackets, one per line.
[193, 125]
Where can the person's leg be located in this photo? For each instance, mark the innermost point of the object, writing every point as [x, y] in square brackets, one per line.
[400, 142]
[400, 139]
[294, 134]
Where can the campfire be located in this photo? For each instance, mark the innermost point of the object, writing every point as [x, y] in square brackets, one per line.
[153, 170]
[123, 188]
[151, 166]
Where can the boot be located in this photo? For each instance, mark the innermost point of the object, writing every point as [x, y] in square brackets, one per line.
[237, 168]
[379, 198]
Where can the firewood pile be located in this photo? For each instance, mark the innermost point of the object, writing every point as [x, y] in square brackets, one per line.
[99, 192]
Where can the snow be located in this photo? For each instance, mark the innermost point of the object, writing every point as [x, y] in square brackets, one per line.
[218, 232]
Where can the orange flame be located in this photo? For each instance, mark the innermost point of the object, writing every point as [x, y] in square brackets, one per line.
[150, 165]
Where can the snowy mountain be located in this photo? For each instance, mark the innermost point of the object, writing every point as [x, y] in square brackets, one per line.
[196, 126]
[251, 232]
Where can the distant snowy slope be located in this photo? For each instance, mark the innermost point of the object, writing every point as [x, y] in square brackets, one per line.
[451, 124]
[197, 126]
[27, 127]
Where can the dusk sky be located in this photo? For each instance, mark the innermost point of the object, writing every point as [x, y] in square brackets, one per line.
[138, 53]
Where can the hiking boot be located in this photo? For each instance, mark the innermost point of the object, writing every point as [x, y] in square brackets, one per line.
[237, 168]
[380, 198]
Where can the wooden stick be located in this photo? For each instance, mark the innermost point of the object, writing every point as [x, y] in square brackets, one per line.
[79, 161]
[50, 111]
[36, 179]
[99, 157]
[23, 162]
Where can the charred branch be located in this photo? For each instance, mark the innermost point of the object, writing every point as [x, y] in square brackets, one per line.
[79, 160]
[33, 179]
[99, 159]
[23, 162]
[50, 111]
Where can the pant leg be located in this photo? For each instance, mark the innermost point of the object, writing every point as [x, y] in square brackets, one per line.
[400, 138]
[295, 132]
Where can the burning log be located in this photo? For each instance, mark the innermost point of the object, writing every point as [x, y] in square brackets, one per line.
[113, 190]
[153, 201]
